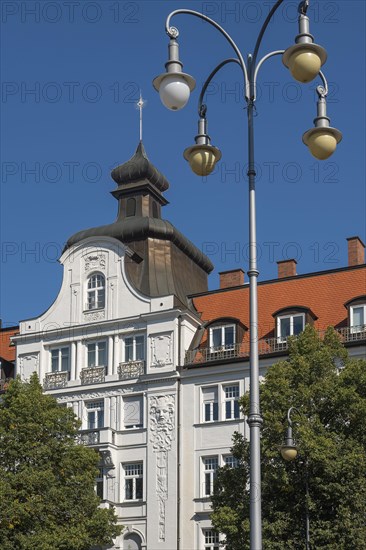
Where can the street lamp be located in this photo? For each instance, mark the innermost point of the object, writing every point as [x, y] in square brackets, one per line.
[289, 452]
[304, 60]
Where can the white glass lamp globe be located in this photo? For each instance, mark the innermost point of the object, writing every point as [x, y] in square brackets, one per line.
[174, 92]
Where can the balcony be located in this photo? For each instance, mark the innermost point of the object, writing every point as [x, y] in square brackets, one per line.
[92, 375]
[97, 436]
[130, 369]
[89, 437]
[266, 346]
[55, 380]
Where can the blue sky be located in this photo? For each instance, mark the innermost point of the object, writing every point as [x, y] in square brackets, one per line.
[71, 74]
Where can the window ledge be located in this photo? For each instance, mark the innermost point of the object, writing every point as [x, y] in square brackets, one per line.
[221, 422]
[133, 502]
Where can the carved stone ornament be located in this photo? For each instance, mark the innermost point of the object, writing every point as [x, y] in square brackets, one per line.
[161, 349]
[94, 261]
[130, 369]
[161, 436]
[92, 375]
[94, 316]
[135, 388]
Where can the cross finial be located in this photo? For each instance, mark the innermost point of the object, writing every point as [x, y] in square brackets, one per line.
[140, 105]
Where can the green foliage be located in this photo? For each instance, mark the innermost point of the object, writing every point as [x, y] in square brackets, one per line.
[330, 431]
[47, 498]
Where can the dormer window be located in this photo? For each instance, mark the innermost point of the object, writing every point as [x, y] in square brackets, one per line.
[96, 291]
[291, 321]
[222, 337]
[290, 325]
[358, 318]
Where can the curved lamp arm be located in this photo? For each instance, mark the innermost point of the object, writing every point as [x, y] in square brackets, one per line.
[173, 32]
[210, 77]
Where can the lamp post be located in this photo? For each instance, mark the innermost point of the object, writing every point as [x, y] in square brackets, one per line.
[304, 59]
[289, 452]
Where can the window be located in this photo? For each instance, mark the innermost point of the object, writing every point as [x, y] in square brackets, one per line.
[231, 401]
[210, 465]
[211, 539]
[99, 483]
[210, 404]
[95, 414]
[134, 348]
[133, 481]
[97, 354]
[133, 412]
[222, 338]
[358, 318]
[220, 403]
[130, 207]
[290, 325]
[60, 359]
[231, 461]
[96, 291]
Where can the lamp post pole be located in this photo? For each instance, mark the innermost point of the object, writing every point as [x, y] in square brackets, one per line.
[289, 452]
[304, 60]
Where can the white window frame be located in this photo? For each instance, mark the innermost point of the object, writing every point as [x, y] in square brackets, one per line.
[211, 405]
[133, 477]
[126, 414]
[59, 350]
[93, 292]
[100, 481]
[95, 408]
[220, 403]
[134, 347]
[209, 474]
[231, 461]
[97, 343]
[222, 346]
[210, 539]
[357, 328]
[231, 400]
[290, 316]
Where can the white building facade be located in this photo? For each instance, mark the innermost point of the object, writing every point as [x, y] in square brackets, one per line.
[154, 375]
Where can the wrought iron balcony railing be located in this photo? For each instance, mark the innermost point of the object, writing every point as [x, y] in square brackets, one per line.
[54, 380]
[130, 369]
[92, 375]
[266, 346]
[89, 437]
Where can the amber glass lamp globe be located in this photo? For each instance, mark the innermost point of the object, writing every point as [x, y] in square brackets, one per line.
[288, 452]
[202, 158]
[304, 61]
[322, 141]
[304, 65]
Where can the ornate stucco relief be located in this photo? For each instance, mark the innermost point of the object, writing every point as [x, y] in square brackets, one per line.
[94, 261]
[162, 411]
[161, 346]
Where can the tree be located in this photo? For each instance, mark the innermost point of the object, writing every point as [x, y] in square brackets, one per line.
[47, 497]
[329, 392]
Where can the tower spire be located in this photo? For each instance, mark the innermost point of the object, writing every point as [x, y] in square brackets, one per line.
[140, 105]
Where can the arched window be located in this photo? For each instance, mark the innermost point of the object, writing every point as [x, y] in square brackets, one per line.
[130, 207]
[132, 541]
[96, 291]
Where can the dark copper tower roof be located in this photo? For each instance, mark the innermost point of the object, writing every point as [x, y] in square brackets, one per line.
[163, 261]
[139, 168]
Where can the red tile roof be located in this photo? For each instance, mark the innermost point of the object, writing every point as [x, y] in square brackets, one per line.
[324, 293]
[7, 352]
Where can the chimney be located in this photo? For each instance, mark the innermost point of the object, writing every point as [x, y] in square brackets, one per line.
[234, 277]
[356, 251]
[286, 268]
